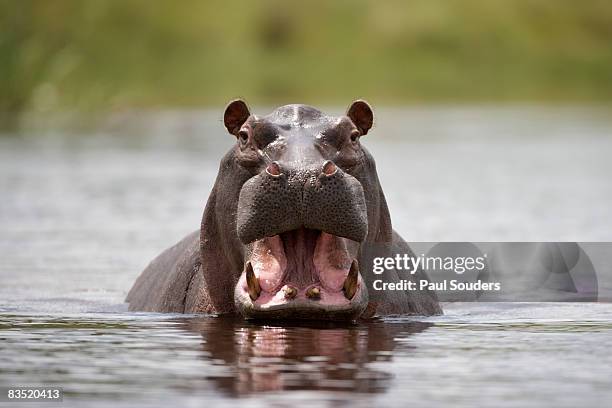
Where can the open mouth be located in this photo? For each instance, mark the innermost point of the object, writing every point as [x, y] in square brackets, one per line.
[302, 273]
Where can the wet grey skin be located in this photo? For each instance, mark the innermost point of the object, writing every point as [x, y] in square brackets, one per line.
[295, 205]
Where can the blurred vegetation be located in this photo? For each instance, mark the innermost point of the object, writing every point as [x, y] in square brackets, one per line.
[94, 55]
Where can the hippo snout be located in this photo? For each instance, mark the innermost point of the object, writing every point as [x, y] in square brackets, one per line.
[282, 198]
[300, 227]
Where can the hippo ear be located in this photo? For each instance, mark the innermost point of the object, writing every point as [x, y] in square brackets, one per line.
[235, 115]
[361, 115]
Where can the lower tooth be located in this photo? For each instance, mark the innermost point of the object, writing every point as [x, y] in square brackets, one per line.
[313, 293]
[350, 284]
[290, 292]
[252, 282]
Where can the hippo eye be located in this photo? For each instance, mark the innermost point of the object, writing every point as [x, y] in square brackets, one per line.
[243, 135]
[355, 135]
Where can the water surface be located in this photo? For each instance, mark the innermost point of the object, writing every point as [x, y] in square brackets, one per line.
[509, 354]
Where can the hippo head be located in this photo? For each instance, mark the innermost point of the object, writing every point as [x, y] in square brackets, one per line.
[304, 199]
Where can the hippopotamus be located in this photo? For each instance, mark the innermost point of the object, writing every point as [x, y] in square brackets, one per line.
[295, 206]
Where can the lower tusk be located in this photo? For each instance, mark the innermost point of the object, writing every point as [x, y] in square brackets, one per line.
[290, 292]
[252, 282]
[313, 293]
[350, 284]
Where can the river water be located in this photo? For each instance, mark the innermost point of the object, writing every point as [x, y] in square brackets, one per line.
[84, 209]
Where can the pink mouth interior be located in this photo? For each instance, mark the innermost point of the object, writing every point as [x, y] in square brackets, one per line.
[301, 259]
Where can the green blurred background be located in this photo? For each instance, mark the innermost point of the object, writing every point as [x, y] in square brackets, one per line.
[93, 56]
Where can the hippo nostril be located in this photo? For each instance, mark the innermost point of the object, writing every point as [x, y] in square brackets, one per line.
[329, 168]
[273, 169]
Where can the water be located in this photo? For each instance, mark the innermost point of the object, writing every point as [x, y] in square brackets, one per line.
[509, 354]
[83, 211]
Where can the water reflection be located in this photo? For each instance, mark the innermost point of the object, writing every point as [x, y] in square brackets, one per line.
[302, 356]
